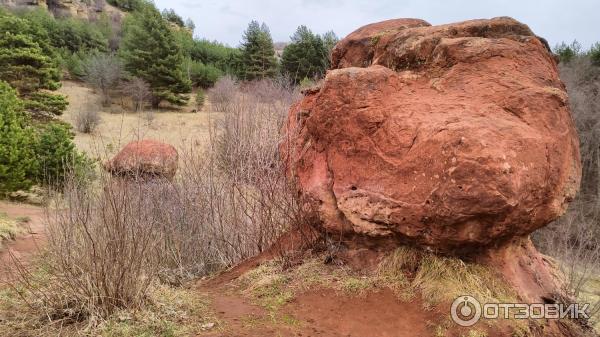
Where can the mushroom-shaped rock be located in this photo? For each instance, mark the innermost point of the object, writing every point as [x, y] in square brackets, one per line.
[145, 159]
[452, 137]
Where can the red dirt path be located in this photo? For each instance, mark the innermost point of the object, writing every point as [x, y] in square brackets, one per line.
[26, 245]
[326, 313]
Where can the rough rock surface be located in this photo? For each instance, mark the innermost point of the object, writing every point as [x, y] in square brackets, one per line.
[66, 8]
[452, 137]
[146, 158]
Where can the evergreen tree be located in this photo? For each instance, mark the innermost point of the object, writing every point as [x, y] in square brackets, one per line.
[225, 58]
[27, 61]
[258, 54]
[305, 57]
[57, 156]
[595, 54]
[17, 157]
[150, 51]
[171, 16]
[28, 64]
[329, 40]
[566, 52]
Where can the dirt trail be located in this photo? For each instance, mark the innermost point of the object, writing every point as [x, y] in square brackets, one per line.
[320, 312]
[26, 245]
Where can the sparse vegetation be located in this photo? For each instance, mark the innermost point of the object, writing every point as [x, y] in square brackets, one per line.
[408, 272]
[139, 92]
[169, 312]
[110, 246]
[223, 93]
[87, 119]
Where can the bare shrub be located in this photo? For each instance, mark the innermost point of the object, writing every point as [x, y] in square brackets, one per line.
[99, 5]
[103, 72]
[116, 28]
[87, 118]
[223, 92]
[279, 90]
[583, 84]
[101, 253]
[148, 115]
[244, 143]
[108, 245]
[247, 138]
[574, 241]
[139, 92]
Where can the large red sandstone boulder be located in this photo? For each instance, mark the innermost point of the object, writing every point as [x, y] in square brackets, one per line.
[452, 137]
[146, 158]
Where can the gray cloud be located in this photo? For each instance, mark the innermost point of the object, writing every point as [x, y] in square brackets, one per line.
[225, 20]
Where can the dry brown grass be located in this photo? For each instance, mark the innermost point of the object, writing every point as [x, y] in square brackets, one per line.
[9, 228]
[169, 312]
[180, 128]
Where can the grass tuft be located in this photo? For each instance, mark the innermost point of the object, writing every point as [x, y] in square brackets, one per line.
[407, 271]
[9, 228]
[443, 279]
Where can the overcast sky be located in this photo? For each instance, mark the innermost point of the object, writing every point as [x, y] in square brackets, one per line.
[225, 20]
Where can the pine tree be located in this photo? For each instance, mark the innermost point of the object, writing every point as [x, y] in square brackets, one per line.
[18, 162]
[57, 156]
[305, 57]
[150, 51]
[27, 61]
[329, 41]
[258, 54]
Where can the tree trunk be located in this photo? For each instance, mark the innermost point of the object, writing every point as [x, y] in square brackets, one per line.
[155, 102]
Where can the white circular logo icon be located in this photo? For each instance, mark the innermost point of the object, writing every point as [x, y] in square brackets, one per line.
[466, 311]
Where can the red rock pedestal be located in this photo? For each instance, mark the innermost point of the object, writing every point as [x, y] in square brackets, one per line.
[456, 138]
[145, 159]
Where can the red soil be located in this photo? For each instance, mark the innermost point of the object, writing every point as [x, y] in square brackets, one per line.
[26, 245]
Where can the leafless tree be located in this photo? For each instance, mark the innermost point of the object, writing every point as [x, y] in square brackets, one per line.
[87, 118]
[223, 93]
[138, 90]
[103, 72]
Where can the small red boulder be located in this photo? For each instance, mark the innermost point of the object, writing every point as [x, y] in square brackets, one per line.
[145, 158]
